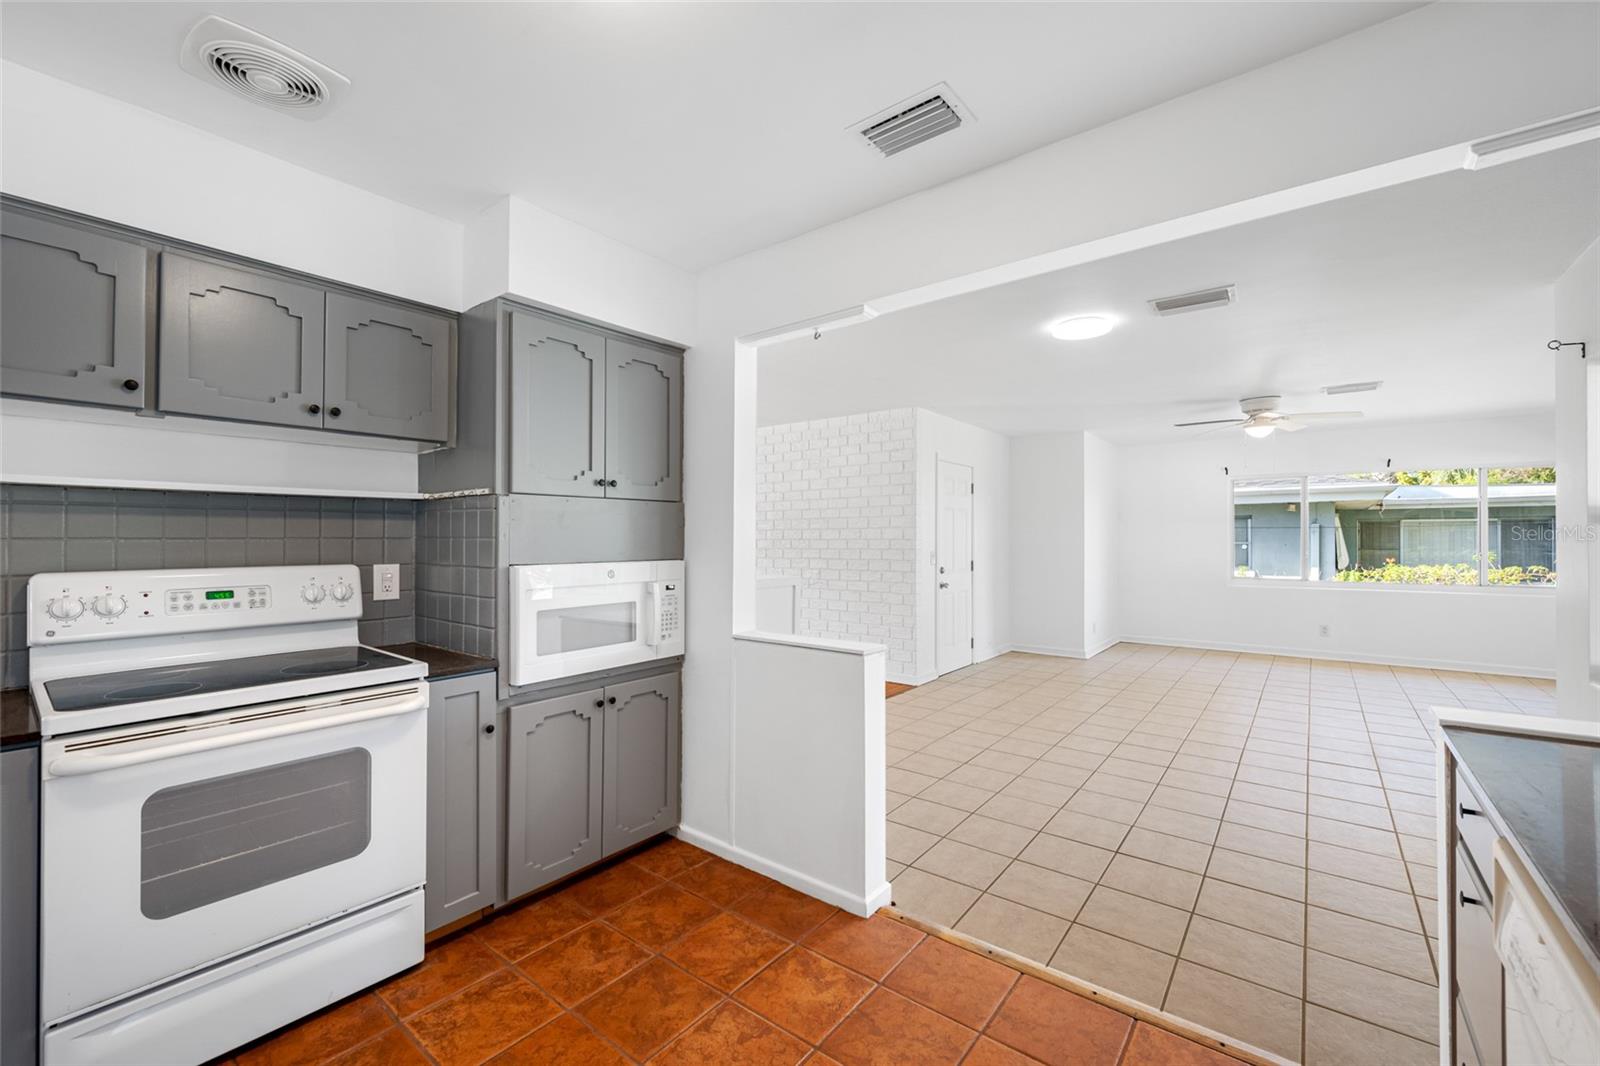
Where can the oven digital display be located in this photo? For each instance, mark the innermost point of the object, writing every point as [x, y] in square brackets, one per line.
[220, 594]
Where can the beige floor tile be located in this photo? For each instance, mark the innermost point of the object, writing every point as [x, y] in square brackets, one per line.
[1017, 811]
[932, 765]
[1101, 805]
[1168, 850]
[951, 794]
[892, 869]
[1269, 1020]
[894, 801]
[1101, 832]
[1263, 843]
[1179, 824]
[1182, 799]
[1056, 774]
[1046, 792]
[1042, 889]
[991, 835]
[931, 897]
[1164, 884]
[1065, 856]
[1355, 837]
[1406, 1006]
[962, 863]
[1252, 871]
[1032, 934]
[1334, 1039]
[1342, 810]
[1272, 819]
[929, 817]
[1361, 900]
[1123, 788]
[1132, 970]
[1248, 908]
[905, 844]
[1380, 946]
[980, 777]
[1256, 957]
[1357, 865]
[1132, 769]
[1003, 761]
[1143, 921]
[1209, 784]
[907, 782]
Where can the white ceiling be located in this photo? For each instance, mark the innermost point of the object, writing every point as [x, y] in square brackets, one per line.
[1440, 288]
[694, 132]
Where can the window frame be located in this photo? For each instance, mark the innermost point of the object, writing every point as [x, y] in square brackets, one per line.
[1304, 580]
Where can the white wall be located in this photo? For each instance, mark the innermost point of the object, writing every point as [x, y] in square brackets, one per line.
[989, 455]
[1175, 525]
[1577, 389]
[1100, 540]
[836, 507]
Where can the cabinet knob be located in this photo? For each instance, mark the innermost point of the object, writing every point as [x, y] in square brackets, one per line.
[489, 728]
[611, 699]
[333, 412]
[599, 703]
[130, 384]
[612, 483]
[315, 408]
[600, 482]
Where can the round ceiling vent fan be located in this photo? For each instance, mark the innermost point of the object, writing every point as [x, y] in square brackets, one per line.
[1262, 417]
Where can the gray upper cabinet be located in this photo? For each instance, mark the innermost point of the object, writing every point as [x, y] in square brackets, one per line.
[553, 792]
[238, 344]
[558, 407]
[641, 766]
[644, 422]
[463, 799]
[73, 306]
[387, 370]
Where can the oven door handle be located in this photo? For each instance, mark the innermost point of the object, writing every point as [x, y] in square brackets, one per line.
[78, 763]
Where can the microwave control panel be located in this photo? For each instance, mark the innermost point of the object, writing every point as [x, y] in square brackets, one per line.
[671, 612]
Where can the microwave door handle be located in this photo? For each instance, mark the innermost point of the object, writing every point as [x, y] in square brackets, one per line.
[652, 614]
[75, 764]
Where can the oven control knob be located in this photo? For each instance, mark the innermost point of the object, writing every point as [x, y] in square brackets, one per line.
[342, 591]
[109, 605]
[313, 593]
[64, 608]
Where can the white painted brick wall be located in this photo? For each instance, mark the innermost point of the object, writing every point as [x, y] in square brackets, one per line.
[836, 508]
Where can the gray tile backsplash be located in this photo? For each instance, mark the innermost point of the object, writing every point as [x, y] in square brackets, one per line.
[45, 528]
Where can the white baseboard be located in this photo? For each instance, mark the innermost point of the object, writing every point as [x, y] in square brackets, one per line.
[862, 906]
[908, 679]
[1348, 657]
[1069, 653]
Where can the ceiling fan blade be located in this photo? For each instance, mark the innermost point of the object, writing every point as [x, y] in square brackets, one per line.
[1321, 416]
[1212, 422]
[1288, 425]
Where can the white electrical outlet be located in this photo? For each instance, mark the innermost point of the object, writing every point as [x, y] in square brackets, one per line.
[386, 581]
[1322, 631]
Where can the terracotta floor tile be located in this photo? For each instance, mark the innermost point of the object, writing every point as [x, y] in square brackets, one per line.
[720, 881]
[784, 911]
[957, 983]
[393, 1048]
[649, 1007]
[988, 1052]
[564, 1042]
[488, 1017]
[890, 1029]
[1157, 1047]
[662, 915]
[580, 963]
[528, 928]
[732, 1036]
[670, 857]
[870, 946]
[1058, 1027]
[727, 951]
[446, 969]
[610, 888]
[322, 1036]
[805, 993]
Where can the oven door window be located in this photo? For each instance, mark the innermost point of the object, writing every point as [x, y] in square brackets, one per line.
[599, 625]
[208, 840]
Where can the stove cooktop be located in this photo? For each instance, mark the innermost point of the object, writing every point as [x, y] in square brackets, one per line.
[128, 687]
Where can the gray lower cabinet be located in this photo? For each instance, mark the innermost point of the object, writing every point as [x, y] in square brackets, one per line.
[386, 370]
[19, 906]
[641, 764]
[644, 422]
[463, 799]
[554, 759]
[558, 408]
[238, 344]
[73, 313]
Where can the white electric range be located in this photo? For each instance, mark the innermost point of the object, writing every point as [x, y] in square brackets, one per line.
[232, 806]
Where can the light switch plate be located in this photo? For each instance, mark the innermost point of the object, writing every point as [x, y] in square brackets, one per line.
[386, 581]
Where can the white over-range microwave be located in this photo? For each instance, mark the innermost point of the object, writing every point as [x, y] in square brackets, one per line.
[575, 618]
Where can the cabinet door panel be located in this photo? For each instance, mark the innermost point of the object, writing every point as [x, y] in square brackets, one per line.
[236, 344]
[644, 422]
[387, 370]
[558, 405]
[72, 313]
[641, 773]
[463, 830]
[553, 824]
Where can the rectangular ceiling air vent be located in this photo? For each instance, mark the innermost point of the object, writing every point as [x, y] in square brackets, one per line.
[914, 120]
[1221, 296]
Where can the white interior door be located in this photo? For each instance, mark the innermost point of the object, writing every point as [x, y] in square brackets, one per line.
[953, 566]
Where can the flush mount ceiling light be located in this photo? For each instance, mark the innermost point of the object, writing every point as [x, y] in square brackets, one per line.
[1082, 327]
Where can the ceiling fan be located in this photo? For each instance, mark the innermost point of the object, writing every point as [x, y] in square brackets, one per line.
[1262, 417]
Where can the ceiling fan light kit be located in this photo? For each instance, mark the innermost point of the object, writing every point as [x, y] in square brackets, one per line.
[1262, 418]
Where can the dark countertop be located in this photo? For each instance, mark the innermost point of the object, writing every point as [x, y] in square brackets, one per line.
[1545, 793]
[19, 726]
[442, 662]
